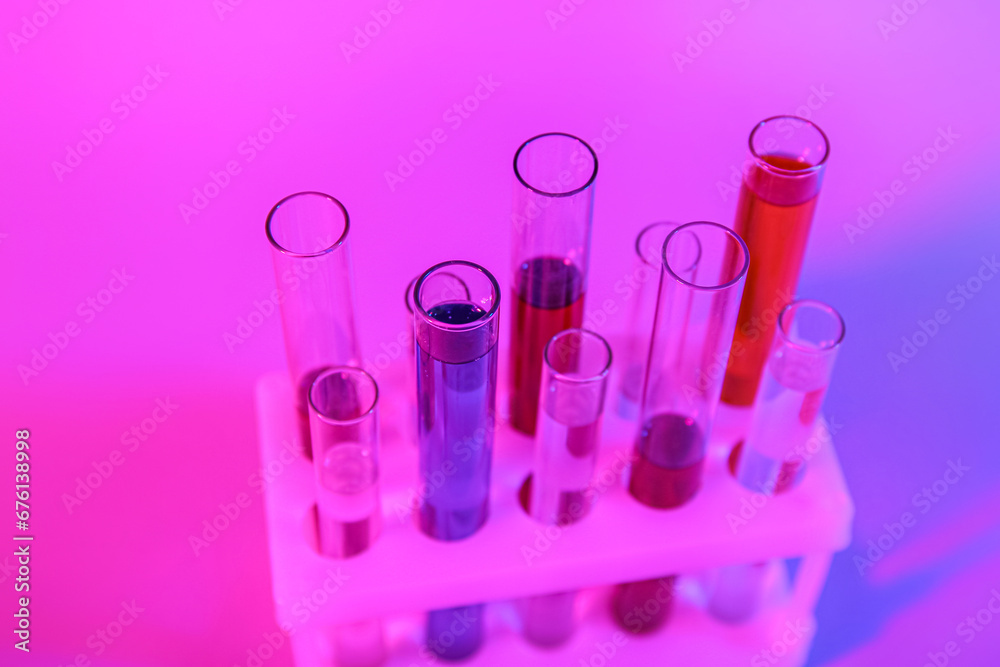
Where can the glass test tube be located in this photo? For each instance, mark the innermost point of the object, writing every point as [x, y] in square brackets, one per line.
[701, 281]
[735, 592]
[343, 415]
[551, 224]
[643, 285]
[791, 393]
[447, 286]
[777, 200]
[456, 345]
[573, 388]
[312, 264]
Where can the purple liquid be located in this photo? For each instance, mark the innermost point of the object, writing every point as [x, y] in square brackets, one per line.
[455, 430]
[550, 293]
[670, 452]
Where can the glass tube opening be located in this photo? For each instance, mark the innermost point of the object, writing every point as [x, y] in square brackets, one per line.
[798, 144]
[649, 242]
[705, 256]
[307, 224]
[555, 164]
[343, 395]
[811, 326]
[440, 286]
[481, 291]
[578, 355]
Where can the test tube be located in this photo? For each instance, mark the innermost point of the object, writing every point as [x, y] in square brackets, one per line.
[447, 286]
[781, 184]
[571, 404]
[551, 219]
[456, 345]
[735, 592]
[701, 281]
[308, 232]
[343, 415]
[791, 393]
[641, 288]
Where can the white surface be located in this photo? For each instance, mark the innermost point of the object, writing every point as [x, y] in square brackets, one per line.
[620, 540]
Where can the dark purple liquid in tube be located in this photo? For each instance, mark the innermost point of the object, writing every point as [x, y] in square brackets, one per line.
[456, 398]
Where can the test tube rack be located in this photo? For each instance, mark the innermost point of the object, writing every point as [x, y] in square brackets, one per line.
[406, 573]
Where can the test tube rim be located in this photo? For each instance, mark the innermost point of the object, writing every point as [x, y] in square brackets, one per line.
[569, 193]
[578, 380]
[344, 422]
[794, 173]
[413, 283]
[810, 349]
[447, 326]
[741, 274]
[291, 253]
[642, 232]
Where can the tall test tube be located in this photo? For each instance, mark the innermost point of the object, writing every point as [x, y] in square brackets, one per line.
[642, 284]
[781, 185]
[551, 219]
[791, 393]
[308, 232]
[573, 389]
[701, 282]
[456, 346]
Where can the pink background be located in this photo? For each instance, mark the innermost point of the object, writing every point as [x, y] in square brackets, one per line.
[681, 131]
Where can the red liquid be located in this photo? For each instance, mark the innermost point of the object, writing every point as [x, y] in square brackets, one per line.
[549, 299]
[773, 218]
[666, 470]
[643, 606]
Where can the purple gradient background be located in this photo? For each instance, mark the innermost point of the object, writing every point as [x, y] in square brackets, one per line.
[163, 335]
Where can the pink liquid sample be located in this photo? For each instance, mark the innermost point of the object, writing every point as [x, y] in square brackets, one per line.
[347, 501]
[564, 467]
[670, 452]
[786, 420]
